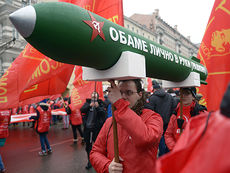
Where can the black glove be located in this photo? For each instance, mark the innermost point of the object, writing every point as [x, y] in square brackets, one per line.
[180, 122]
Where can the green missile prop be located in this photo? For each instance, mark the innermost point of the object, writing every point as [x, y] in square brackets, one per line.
[70, 34]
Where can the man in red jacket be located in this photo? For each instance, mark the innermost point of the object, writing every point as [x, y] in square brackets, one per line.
[139, 132]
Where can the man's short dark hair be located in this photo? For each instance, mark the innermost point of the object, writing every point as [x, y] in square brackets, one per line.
[155, 84]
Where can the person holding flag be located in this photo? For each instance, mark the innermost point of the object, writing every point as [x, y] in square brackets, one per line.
[190, 108]
[139, 132]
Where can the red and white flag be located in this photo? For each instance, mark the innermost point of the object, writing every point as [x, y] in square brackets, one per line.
[17, 118]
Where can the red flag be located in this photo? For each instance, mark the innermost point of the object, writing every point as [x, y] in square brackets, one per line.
[83, 89]
[38, 99]
[214, 53]
[150, 86]
[109, 9]
[32, 74]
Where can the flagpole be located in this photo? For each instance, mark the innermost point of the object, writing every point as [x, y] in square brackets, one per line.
[115, 137]
[122, 13]
[95, 87]
[181, 109]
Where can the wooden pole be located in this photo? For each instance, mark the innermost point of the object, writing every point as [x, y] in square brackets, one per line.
[181, 109]
[115, 137]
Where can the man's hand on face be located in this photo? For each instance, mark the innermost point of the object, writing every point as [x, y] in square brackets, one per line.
[94, 104]
[114, 92]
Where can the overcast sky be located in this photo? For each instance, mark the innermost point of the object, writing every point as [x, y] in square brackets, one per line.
[190, 16]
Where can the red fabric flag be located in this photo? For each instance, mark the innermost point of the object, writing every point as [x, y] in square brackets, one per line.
[150, 86]
[83, 89]
[199, 151]
[32, 75]
[38, 99]
[109, 9]
[214, 53]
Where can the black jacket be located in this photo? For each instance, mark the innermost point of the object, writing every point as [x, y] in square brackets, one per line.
[225, 104]
[87, 111]
[197, 109]
[164, 104]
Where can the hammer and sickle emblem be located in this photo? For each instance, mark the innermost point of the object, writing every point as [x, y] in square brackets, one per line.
[96, 26]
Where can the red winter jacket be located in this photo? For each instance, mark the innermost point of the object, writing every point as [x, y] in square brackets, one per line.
[138, 140]
[43, 123]
[172, 133]
[75, 116]
[4, 123]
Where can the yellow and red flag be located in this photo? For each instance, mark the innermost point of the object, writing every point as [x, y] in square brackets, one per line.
[31, 78]
[214, 53]
[83, 89]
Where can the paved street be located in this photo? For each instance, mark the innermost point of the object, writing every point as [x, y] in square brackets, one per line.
[20, 153]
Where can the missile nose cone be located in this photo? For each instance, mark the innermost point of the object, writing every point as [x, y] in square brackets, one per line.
[24, 20]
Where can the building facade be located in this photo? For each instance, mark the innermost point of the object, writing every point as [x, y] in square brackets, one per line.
[156, 29]
[11, 43]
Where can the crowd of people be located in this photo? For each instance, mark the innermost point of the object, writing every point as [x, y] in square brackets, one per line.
[148, 125]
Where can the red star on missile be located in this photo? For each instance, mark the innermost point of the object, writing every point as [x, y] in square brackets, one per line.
[96, 26]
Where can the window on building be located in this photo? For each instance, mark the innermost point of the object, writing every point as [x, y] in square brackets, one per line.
[178, 48]
[137, 30]
[26, 2]
[132, 28]
[13, 58]
[161, 41]
[1, 31]
[9, 1]
[15, 33]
